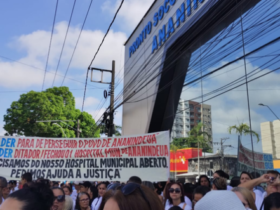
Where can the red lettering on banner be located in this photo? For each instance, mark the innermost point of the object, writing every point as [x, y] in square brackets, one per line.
[114, 143]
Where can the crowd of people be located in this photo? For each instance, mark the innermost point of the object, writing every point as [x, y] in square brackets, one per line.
[250, 191]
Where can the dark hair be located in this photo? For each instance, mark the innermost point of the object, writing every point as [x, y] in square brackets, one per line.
[62, 184]
[149, 185]
[68, 187]
[86, 184]
[235, 181]
[245, 172]
[204, 176]
[273, 172]
[27, 176]
[135, 179]
[3, 182]
[272, 201]
[34, 196]
[220, 183]
[105, 183]
[201, 190]
[134, 200]
[77, 207]
[255, 174]
[175, 208]
[182, 192]
[94, 191]
[58, 188]
[222, 174]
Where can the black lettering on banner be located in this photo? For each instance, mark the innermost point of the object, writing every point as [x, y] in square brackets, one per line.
[70, 175]
[78, 173]
[49, 174]
[13, 172]
[43, 173]
[117, 174]
[96, 173]
[101, 173]
[18, 173]
[164, 162]
[109, 175]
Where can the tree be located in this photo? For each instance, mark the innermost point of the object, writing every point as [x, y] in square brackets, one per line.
[243, 129]
[195, 136]
[56, 103]
[116, 132]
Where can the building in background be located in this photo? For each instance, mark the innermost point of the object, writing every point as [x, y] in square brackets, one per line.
[189, 114]
[270, 133]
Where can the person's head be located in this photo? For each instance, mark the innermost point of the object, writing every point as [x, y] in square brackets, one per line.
[175, 192]
[245, 177]
[132, 196]
[149, 185]
[55, 184]
[272, 202]
[270, 187]
[219, 200]
[245, 196]
[175, 208]
[5, 192]
[219, 183]
[82, 201]
[85, 186]
[26, 178]
[77, 186]
[68, 205]
[67, 190]
[135, 179]
[199, 192]
[35, 196]
[59, 196]
[3, 184]
[220, 173]
[93, 192]
[102, 187]
[235, 181]
[11, 184]
[62, 184]
[204, 181]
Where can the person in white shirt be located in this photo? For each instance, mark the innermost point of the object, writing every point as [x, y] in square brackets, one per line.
[13, 186]
[175, 197]
[3, 185]
[102, 187]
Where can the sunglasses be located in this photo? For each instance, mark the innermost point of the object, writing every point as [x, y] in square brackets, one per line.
[60, 198]
[176, 190]
[131, 187]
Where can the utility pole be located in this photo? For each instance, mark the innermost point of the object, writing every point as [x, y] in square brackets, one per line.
[110, 124]
[222, 150]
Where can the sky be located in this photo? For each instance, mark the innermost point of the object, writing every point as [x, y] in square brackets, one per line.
[25, 36]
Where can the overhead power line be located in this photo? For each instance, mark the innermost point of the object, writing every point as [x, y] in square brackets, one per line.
[99, 49]
[50, 45]
[81, 30]
[64, 41]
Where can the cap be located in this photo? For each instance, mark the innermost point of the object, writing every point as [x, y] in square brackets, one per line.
[220, 200]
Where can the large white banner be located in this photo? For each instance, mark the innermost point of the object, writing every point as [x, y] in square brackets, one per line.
[80, 159]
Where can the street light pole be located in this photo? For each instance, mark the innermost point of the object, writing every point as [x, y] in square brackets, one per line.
[61, 129]
[270, 110]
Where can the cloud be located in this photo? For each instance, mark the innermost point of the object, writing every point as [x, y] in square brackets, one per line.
[90, 101]
[131, 12]
[35, 47]
[231, 108]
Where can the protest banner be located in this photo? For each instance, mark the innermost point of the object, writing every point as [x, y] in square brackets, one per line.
[81, 159]
[263, 161]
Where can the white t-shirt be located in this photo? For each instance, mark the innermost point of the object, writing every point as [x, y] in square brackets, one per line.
[187, 201]
[187, 207]
[229, 187]
[96, 203]
[258, 201]
[2, 201]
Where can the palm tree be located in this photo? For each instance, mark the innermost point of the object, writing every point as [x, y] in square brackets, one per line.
[198, 136]
[243, 129]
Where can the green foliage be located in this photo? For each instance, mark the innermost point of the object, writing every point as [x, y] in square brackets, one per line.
[195, 137]
[56, 103]
[243, 129]
[117, 130]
